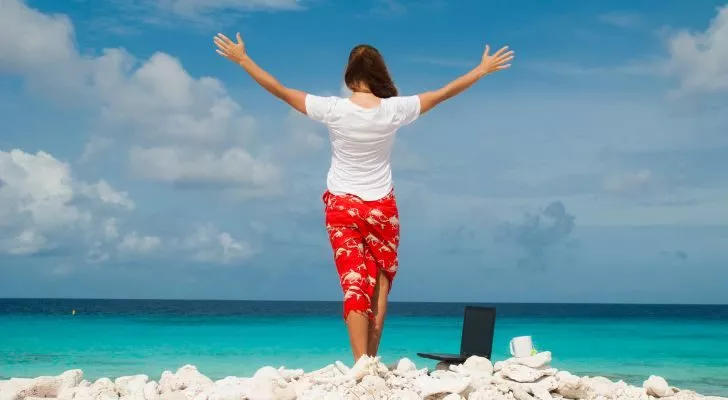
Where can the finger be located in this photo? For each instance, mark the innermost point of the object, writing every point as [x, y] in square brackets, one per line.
[500, 67]
[500, 51]
[487, 50]
[222, 45]
[504, 60]
[506, 55]
[240, 40]
[219, 41]
[225, 39]
[221, 53]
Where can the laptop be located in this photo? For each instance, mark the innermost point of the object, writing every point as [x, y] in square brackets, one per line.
[476, 339]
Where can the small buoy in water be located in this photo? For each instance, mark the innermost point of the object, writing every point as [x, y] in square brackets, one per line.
[73, 312]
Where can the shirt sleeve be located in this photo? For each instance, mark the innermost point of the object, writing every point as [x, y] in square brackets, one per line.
[319, 108]
[407, 109]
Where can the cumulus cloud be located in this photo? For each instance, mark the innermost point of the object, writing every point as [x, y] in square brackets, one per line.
[537, 233]
[137, 244]
[42, 204]
[156, 103]
[45, 208]
[700, 59]
[186, 166]
[209, 244]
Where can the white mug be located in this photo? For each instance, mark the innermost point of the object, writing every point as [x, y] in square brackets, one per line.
[521, 346]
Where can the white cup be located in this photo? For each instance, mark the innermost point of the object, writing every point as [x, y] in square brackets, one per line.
[521, 346]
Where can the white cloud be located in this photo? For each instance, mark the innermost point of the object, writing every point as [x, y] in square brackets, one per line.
[161, 101]
[155, 101]
[44, 207]
[305, 135]
[700, 59]
[209, 244]
[188, 166]
[93, 147]
[110, 228]
[42, 204]
[30, 39]
[103, 192]
[135, 244]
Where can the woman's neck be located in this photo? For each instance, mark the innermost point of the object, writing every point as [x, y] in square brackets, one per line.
[365, 99]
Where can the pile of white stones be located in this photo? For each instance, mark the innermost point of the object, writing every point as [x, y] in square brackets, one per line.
[529, 378]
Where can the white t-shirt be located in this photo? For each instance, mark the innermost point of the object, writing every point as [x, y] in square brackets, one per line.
[361, 141]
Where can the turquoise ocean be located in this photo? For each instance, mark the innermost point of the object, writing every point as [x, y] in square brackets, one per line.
[688, 345]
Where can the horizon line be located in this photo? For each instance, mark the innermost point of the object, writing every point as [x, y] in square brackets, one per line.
[390, 302]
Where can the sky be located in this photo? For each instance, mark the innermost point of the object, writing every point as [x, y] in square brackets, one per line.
[137, 163]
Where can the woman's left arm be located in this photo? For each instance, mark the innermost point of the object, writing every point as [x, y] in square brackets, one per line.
[236, 53]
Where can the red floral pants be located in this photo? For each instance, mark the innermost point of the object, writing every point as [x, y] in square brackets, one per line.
[364, 236]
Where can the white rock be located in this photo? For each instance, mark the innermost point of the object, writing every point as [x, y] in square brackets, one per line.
[657, 386]
[570, 385]
[267, 373]
[42, 386]
[102, 389]
[539, 360]
[172, 396]
[375, 383]
[490, 393]
[368, 379]
[480, 364]
[405, 394]
[265, 388]
[428, 386]
[151, 391]
[405, 365]
[71, 378]
[547, 383]
[67, 393]
[573, 387]
[169, 382]
[131, 387]
[522, 373]
[290, 374]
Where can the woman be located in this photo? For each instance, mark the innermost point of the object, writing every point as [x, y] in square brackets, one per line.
[361, 211]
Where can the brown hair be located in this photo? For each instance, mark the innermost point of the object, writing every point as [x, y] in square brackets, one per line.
[366, 66]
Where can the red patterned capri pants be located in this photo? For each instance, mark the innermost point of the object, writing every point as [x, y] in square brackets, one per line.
[364, 236]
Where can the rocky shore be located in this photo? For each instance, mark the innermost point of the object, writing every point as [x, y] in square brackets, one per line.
[529, 378]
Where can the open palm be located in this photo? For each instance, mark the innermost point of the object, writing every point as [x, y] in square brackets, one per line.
[234, 52]
[498, 61]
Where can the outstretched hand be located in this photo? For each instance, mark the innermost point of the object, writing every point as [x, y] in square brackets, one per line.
[498, 61]
[234, 52]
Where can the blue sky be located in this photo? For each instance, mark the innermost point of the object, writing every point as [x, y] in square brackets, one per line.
[136, 163]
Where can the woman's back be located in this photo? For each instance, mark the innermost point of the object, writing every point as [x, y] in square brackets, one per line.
[361, 141]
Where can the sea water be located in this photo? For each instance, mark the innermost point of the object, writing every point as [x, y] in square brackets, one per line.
[688, 345]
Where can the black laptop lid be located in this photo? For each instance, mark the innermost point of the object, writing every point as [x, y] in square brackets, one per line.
[478, 330]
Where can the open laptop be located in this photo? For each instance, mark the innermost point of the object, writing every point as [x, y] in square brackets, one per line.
[476, 339]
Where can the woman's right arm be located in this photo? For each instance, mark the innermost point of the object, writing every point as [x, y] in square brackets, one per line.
[235, 51]
[489, 64]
